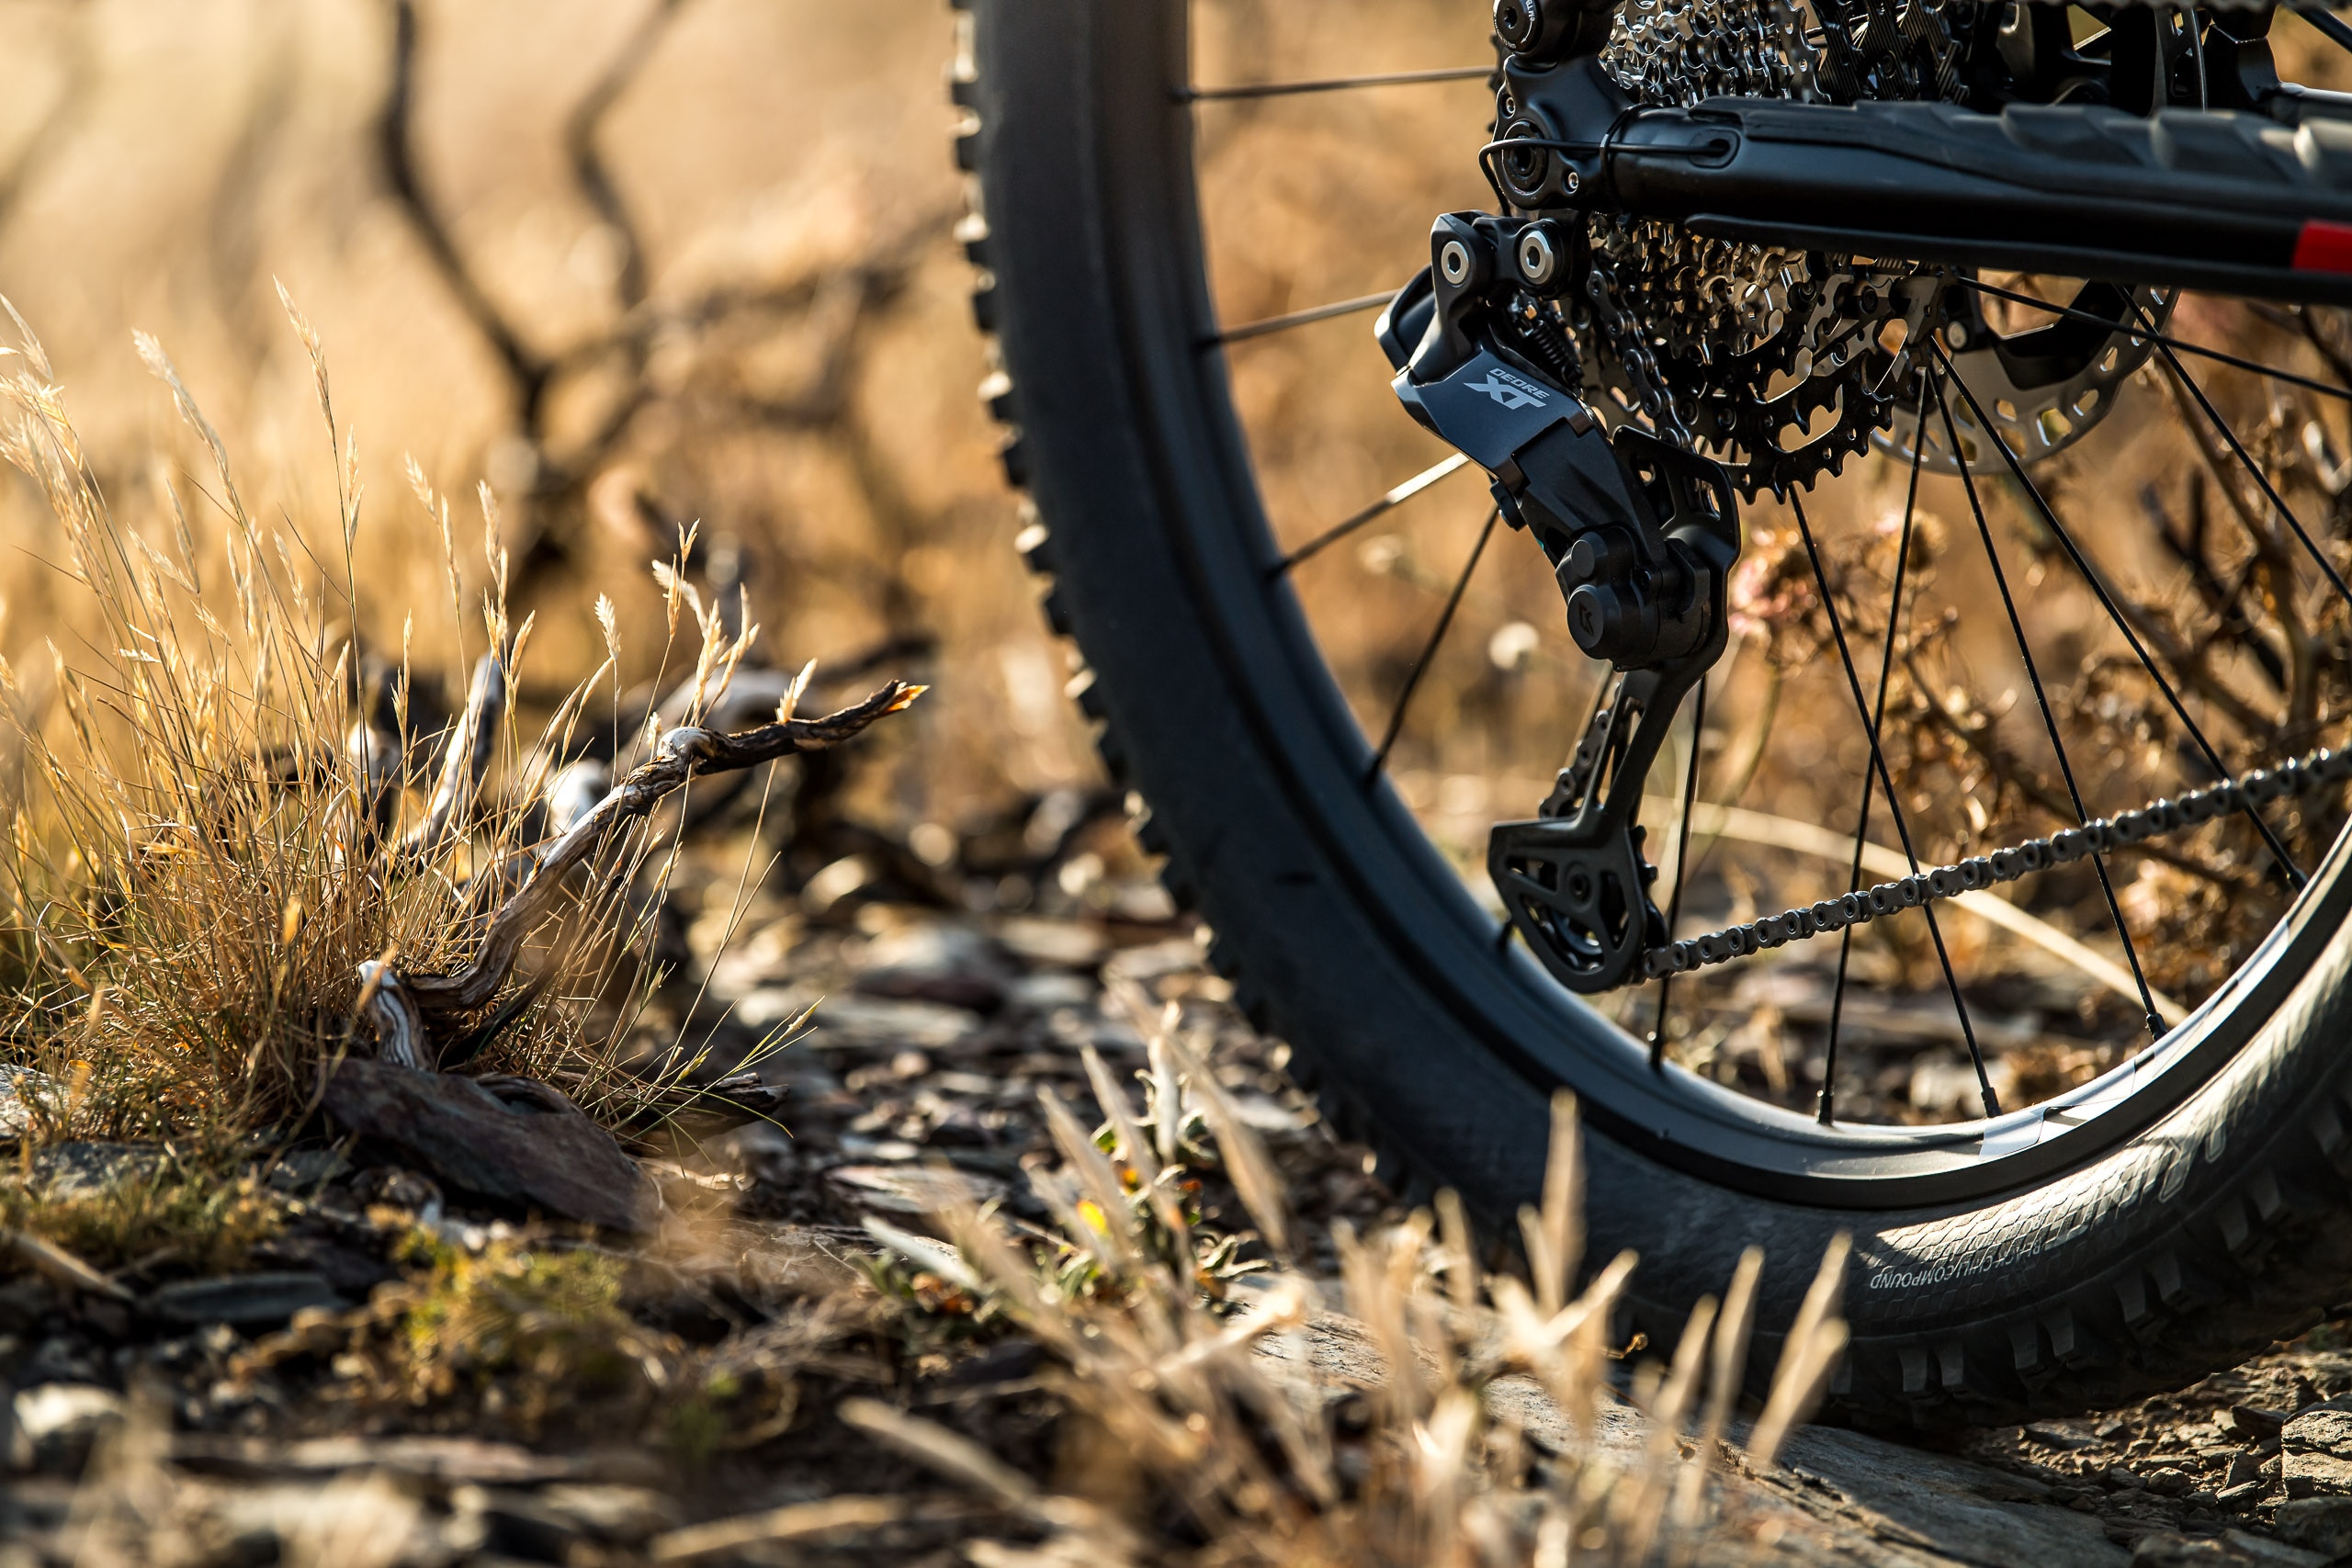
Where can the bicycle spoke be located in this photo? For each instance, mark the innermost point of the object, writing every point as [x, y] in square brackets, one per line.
[2033, 678]
[1893, 803]
[1282, 323]
[1394, 498]
[1826, 1112]
[1428, 649]
[2292, 379]
[1681, 861]
[2254, 469]
[2115, 613]
[1333, 83]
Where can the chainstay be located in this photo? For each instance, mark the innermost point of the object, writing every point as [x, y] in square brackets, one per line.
[2261, 787]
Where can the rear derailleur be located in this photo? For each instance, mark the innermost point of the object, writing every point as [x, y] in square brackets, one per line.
[1641, 537]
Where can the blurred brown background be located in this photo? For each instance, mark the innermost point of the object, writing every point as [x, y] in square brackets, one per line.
[636, 264]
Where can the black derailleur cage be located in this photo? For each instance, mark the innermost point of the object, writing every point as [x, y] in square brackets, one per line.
[1641, 537]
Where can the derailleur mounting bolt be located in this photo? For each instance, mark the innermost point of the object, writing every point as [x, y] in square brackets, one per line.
[1539, 263]
[1453, 261]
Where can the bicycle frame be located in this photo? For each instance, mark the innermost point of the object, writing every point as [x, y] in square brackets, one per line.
[2249, 202]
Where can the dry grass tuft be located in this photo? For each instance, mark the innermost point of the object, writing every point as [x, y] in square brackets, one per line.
[222, 803]
[1226, 1410]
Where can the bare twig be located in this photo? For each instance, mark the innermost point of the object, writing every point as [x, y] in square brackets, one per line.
[464, 760]
[683, 754]
[395, 141]
[45, 1258]
[580, 131]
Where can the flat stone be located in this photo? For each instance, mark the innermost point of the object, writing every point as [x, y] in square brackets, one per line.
[2255, 1423]
[243, 1301]
[56, 1422]
[2234, 1549]
[2315, 1454]
[792, 1262]
[2056, 1435]
[937, 961]
[428, 1457]
[626, 1514]
[2315, 1474]
[65, 1172]
[914, 1191]
[1937, 1504]
[1837, 1498]
[860, 1022]
[16, 1085]
[306, 1170]
[2324, 1429]
[506, 1138]
[55, 1409]
[1052, 989]
[2321, 1524]
[1062, 944]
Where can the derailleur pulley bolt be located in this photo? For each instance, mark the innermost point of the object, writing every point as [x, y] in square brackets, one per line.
[1956, 335]
[1538, 262]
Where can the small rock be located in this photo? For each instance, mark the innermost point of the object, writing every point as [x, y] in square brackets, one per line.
[306, 1170]
[19, 1085]
[881, 1023]
[394, 1188]
[2316, 1453]
[627, 1514]
[792, 1263]
[2241, 1496]
[2321, 1524]
[1052, 988]
[762, 1154]
[2050, 1434]
[349, 1270]
[1066, 944]
[2255, 1423]
[2122, 1478]
[56, 1422]
[2262, 1548]
[246, 1301]
[1155, 962]
[936, 960]
[908, 1190]
[62, 1172]
[2015, 1489]
[2242, 1469]
[2168, 1482]
[2163, 1548]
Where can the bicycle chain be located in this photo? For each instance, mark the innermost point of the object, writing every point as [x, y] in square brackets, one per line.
[2259, 788]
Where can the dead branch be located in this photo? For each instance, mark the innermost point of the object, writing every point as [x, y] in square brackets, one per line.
[580, 132]
[464, 759]
[684, 753]
[396, 146]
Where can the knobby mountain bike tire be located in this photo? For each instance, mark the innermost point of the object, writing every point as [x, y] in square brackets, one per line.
[2183, 1212]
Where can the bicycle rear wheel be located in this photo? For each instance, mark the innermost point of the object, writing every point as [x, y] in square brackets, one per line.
[2133, 1233]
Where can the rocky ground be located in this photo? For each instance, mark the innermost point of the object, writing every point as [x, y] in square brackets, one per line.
[394, 1370]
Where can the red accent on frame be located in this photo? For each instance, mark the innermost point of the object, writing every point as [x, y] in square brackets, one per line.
[2323, 247]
